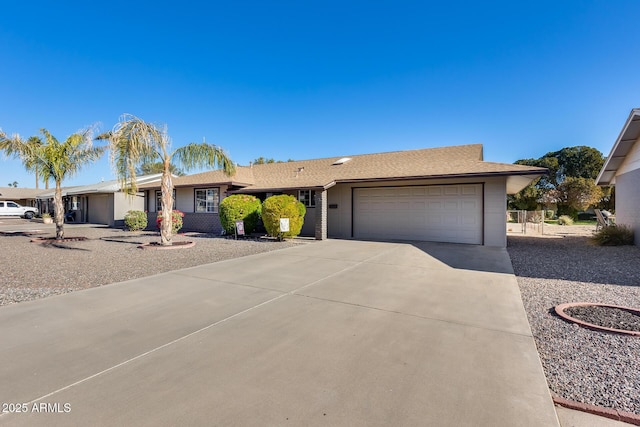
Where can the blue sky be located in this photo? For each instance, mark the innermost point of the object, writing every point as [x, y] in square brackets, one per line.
[303, 79]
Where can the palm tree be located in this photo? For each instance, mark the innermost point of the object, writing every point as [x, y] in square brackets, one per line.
[157, 167]
[29, 162]
[134, 142]
[53, 159]
[35, 141]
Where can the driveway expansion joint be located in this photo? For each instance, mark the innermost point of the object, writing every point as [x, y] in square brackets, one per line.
[435, 319]
[202, 329]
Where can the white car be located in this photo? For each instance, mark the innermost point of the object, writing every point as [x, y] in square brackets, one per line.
[9, 208]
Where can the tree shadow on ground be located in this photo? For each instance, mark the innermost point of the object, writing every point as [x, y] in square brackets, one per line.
[57, 245]
[574, 258]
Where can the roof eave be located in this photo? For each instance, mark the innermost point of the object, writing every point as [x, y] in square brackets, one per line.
[281, 189]
[532, 174]
[449, 176]
[626, 139]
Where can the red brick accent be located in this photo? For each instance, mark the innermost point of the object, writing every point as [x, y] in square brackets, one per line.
[626, 417]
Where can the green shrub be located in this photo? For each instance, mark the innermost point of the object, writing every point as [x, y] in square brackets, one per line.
[564, 209]
[283, 206]
[549, 214]
[534, 217]
[240, 207]
[176, 220]
[135, 220]
[565, 220]
[614, 235]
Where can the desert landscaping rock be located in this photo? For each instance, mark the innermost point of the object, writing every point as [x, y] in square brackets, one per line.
[31, 271]
[583, 365]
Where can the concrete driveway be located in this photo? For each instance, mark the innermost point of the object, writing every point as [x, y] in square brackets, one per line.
[327, 333]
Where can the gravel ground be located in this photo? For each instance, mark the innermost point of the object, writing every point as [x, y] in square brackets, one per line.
[580, 364]
[33, 270]
[608, 317]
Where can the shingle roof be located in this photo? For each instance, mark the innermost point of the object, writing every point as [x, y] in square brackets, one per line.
[456, 161]
[243, 177]
[112, 186]
[14, 193]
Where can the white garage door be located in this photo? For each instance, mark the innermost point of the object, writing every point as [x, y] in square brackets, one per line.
[437, 213]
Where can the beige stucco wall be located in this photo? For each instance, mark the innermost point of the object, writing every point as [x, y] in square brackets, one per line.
[122, 204]
[628, 193]
[100, 208]
[495, 211]
[185, 198]
[494, 205]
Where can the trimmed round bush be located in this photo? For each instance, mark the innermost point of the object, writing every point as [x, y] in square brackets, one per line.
[565, 220]
[283, 206]
[240, 207]
[135, 220]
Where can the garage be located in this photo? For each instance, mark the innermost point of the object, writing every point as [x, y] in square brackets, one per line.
[437, 213]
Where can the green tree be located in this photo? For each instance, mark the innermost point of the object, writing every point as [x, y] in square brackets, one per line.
[577, 194]
[29, 163]
[527, 199]
[608, 200]
[134, 142]
[55, 160]
[569, 162]
[548, 181]
[35, 142]
[578, 162]
[263, 161]
[157, 167]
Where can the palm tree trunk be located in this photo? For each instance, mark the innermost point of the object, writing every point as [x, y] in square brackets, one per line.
[58, 211]
[167, 206]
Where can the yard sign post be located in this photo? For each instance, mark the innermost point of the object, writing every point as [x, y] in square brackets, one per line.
[239, 228]
[284, 225]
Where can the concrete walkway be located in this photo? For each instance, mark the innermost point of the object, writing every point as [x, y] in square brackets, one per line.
[327, 333]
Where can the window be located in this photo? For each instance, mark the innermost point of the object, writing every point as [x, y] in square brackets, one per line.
[159, 200]
[207, 200]
[307, 197]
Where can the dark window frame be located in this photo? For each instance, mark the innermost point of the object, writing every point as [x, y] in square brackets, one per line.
[159, 200]
[309, 198]
[215, 204]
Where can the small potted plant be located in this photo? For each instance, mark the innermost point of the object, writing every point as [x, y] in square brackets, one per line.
[46, 218]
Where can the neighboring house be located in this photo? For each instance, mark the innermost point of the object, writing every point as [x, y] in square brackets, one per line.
[622, 170]
[100, 203]
[22, 196]
[444, 194]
